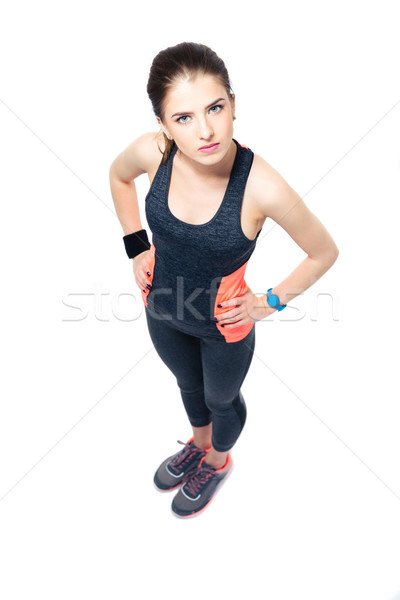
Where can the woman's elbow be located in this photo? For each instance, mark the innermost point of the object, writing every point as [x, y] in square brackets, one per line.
[332, 255]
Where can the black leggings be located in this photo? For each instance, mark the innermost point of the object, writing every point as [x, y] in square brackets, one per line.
[209, 373]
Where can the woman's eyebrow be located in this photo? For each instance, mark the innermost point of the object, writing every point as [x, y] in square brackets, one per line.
[189, 113]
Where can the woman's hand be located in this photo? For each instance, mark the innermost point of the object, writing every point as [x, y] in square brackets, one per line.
[141, 270]
[247, 308]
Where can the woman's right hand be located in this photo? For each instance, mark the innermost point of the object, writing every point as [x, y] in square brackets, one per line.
[142, 270]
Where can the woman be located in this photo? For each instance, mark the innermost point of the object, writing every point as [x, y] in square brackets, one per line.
[208, 200]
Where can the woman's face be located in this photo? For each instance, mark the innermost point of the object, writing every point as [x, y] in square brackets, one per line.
[206, 117]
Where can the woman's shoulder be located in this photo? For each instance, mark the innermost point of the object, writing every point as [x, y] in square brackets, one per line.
[264, 180]
[142, 155]
[262, 172]
[270, 194]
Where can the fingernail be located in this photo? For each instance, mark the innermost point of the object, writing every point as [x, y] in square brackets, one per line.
[219, 305]
[222, 325]
[148, 286]
[144, 291]
[148, 273]
[215, 319]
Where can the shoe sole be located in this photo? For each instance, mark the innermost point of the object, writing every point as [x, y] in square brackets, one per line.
[195, 514]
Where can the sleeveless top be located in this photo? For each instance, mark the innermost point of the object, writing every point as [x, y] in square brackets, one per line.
[195, 267]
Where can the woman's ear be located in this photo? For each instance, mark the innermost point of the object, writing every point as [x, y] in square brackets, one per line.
[160, 125]
[233, 105]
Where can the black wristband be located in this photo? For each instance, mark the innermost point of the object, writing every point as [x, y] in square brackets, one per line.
[136, 242]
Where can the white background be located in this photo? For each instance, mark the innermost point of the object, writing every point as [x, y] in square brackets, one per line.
[88, 410]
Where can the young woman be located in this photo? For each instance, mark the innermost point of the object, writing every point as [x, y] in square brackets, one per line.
[208, 200]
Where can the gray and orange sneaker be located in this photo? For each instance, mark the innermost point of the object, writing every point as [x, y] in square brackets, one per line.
[200, 488]
[176, 468]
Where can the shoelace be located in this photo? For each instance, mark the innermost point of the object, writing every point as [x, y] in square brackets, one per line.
[185, 455]
[200, 476]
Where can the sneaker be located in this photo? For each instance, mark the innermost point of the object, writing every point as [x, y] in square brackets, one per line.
[200, 488]
[176, 468]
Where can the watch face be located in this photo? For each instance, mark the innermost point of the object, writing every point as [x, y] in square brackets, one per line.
[273, 300]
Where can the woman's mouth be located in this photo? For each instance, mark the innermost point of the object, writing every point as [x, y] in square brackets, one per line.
[209, 148]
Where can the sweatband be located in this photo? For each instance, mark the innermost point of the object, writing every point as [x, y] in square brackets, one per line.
[136, 242]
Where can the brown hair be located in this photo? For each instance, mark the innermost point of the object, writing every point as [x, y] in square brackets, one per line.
[183, 60]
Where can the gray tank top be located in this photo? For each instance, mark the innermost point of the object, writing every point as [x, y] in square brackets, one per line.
[195, 267]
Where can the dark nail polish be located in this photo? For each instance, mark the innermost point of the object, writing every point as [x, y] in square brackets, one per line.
[222, 325]
[219, 305]
[148, 286]
[148, 273]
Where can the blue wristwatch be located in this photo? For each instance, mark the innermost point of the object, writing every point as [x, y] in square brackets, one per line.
[273, 300]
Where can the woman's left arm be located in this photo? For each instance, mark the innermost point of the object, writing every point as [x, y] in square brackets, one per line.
[274, 198]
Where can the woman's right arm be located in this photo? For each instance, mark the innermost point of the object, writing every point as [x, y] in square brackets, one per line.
[137, 158]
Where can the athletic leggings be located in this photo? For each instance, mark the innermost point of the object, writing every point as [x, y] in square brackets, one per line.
[209, 374]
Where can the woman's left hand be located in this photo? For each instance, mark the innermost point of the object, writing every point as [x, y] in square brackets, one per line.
[247, 308]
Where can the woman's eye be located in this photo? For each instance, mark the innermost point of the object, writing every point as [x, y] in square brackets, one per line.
[219, 106]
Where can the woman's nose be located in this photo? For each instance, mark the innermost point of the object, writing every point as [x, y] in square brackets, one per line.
[205, 130]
